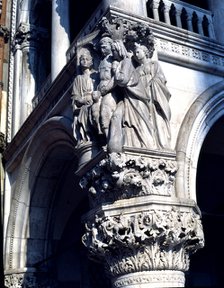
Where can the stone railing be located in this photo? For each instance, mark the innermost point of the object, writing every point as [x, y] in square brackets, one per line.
[182, 15]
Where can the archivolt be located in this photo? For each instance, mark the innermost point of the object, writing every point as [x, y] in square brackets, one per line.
[54, 132]
[203, 113]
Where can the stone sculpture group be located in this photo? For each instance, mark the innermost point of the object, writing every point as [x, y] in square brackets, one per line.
[124, 98]
[137, 228]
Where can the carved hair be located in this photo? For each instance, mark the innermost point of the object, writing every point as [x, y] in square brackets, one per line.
[105, 39]
[119, 47]
[147, 50]
[86, 52]
[83, 52]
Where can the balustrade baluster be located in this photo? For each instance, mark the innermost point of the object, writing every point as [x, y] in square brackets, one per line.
[167, 14]
[200, 27]
[189, 22]
[178, 18]
[155, 10]
[211, 32]
[178, 14]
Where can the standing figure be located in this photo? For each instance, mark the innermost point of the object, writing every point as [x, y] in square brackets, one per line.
[131, 124]
[82, 98]
[106, 85]
[154, 82]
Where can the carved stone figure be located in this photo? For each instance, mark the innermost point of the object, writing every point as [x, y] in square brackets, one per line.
[131, 124]
[130, 105]
[154, 82]
[83, 99]
[106, 85]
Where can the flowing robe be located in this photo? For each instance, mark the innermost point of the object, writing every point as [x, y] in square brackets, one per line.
[136, 129]
[83, 86]
[154, 82]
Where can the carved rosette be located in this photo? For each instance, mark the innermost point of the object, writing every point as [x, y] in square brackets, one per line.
[122, 176]
[147, 241]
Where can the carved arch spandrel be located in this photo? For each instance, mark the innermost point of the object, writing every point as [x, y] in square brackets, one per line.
[201, 116]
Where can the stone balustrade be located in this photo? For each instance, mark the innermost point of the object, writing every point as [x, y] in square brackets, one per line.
[182, 15]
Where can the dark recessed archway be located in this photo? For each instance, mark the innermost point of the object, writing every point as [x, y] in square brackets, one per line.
[206, 268]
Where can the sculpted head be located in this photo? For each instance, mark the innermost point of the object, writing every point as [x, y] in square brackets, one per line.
[85, 59]
[142, 51]
[105, 45]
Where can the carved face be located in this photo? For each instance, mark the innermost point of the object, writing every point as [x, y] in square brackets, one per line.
[105, 46]
[86, 61]
[140, 54]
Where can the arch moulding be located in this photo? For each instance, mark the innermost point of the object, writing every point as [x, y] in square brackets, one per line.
[56, 131]
[201, 116]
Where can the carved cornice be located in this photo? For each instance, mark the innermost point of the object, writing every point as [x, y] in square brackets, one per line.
[27, 34]
[152, 240]
[184, 53]
[122, 176]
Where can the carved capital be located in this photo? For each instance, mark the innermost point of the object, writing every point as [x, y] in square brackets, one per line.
[122, 176]
[4, 32]
[145, 241]
[2, 142]
[27, 34]
[29, 280]
[20, 280]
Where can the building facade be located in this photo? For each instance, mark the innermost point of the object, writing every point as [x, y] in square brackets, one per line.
[122, 192]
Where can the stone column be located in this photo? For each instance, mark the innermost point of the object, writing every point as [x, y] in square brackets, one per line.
[60, 36]
[138, 228]
[217, 9]
[26, 44]
[137, 7]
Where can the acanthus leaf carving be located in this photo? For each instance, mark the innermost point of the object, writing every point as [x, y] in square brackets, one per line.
[154, 240]
[122, 176]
